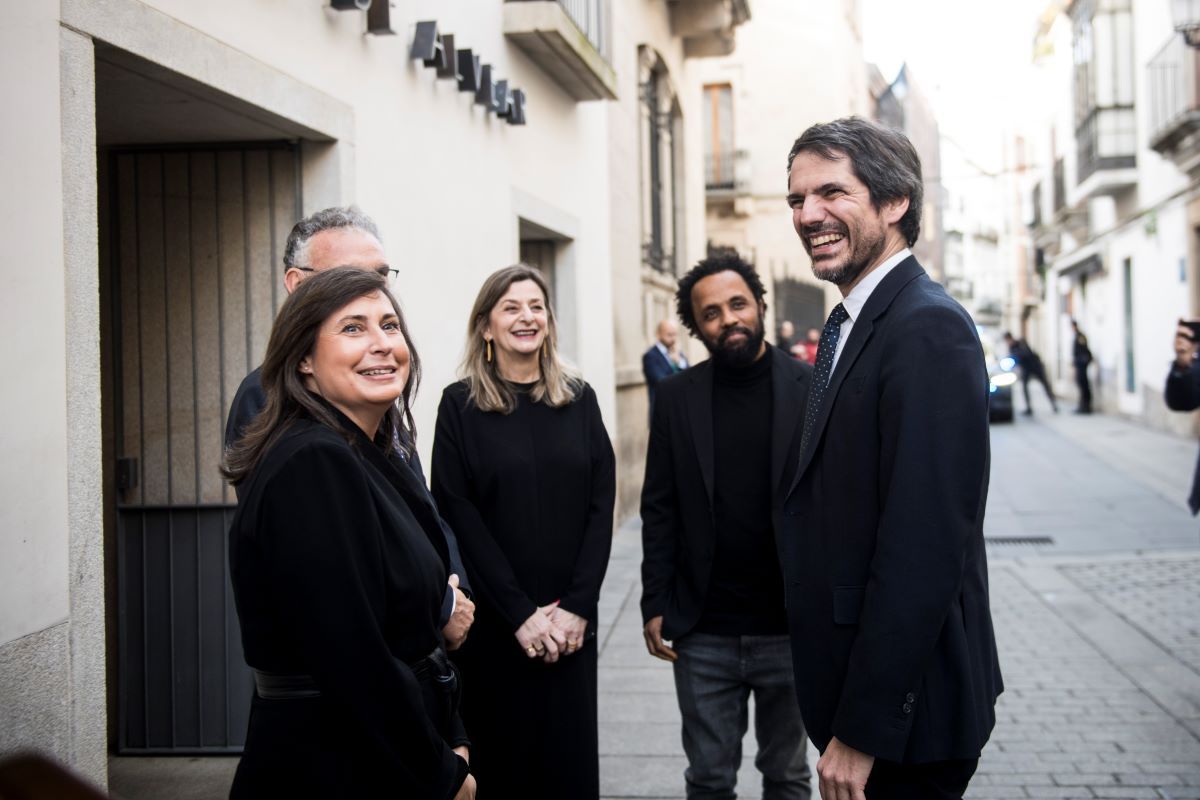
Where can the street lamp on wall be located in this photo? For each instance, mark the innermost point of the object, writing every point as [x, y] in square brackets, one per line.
[1186, 15]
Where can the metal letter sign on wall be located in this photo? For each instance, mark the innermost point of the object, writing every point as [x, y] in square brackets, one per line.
[437, 51]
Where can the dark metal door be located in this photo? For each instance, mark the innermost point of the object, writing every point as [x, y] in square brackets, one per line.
[192, 252]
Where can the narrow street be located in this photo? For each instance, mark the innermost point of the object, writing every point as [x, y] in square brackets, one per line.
[1095, 566]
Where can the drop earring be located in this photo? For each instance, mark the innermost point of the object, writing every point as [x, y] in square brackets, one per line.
[489, 350]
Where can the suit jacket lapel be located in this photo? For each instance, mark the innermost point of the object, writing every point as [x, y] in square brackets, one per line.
[666, 360]
[906, 271]
[700, 416]
[787, 412]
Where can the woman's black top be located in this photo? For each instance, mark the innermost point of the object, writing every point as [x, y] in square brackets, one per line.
[337, 575]
[530, 497]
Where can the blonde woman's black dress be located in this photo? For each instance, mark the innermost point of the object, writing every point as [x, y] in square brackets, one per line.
[530, 498]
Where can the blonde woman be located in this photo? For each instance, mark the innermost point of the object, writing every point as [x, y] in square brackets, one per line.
[523, 471]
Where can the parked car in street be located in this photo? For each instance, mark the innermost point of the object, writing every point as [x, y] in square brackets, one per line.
[1002, 377]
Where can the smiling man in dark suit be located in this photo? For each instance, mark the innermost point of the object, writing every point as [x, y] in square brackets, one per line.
[723, 440]
[882, 530]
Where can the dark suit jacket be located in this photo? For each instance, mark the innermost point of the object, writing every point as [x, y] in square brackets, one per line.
[657, 368]
[882, 536]
[250, 399]
[1183, 394]
[678, 530]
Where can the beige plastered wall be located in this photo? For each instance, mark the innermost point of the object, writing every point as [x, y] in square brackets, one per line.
[795, 65]
[40, 520]
[637, 24]
[446, 182]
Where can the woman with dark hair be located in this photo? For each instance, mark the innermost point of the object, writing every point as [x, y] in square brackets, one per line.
[524, 472]
[338, 567]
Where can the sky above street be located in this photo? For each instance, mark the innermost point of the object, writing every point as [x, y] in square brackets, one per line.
[971, 58]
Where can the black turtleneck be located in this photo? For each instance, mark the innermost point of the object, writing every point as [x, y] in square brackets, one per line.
[745, 592]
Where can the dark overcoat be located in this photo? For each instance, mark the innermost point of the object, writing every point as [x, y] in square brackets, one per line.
[882, 536]
[679, 533]
[338, 571]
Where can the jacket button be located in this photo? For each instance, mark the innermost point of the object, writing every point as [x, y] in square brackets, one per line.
[910, 697]
[907, 708]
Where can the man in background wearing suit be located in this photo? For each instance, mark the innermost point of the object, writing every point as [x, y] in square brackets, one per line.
[882, 531]
[724, 440]
[660, 362]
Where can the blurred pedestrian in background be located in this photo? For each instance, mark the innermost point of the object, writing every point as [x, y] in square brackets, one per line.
[807, 350]
[787, 336]
[1032, 368]
[663, 359]
[338, 564]
[1183, 386]
[524, 471]
[1081, 357]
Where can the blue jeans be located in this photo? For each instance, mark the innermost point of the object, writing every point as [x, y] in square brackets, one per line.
[714, 676]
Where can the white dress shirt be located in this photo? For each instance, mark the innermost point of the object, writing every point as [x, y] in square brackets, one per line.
[854, 302]
[680, 364]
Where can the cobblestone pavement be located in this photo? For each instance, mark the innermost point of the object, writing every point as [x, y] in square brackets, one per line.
[1083, 714]
[1098, 630]
[1160, 596]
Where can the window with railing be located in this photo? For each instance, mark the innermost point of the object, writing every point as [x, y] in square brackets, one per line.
[718, 137]
[1060, 184]
[1174, 88]
[1105, 123]
[1036, 200]
[661, 139]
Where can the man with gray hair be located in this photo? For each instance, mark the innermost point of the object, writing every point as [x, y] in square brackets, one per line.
[346, 237]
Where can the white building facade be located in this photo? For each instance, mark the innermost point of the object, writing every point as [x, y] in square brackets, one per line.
[796, 64]
[157, 153]
[1114, 207]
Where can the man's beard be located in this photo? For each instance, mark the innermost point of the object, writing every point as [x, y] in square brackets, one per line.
[865, 253]
[736, 355]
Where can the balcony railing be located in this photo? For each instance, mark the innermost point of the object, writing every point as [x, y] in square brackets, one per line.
[569, 39]
[1060, 185]
[725, 171]
[591, 17]
[1106, 140]
[1174, 100]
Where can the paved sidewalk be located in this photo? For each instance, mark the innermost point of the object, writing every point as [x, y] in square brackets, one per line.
[1099, 656]
[1099, 635]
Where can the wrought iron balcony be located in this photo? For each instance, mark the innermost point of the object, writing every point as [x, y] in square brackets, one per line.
[1060, 185]
[569, 39]
[1106, 151]
[726, 173]
[1174, 81]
